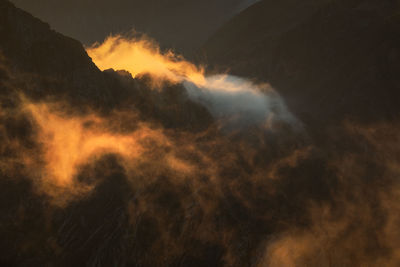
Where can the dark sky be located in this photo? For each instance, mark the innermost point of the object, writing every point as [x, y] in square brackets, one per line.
[180, 24]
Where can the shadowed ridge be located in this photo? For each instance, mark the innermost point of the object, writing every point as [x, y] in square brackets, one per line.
[330, 60]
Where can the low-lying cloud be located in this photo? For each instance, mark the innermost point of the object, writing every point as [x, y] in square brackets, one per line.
[234, 101]
[239, 102]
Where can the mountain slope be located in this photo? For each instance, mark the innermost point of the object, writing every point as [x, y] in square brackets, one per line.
[330, 60]
[58, 65]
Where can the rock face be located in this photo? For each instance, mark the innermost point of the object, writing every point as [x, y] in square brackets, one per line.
[182, 25]
[330, 60]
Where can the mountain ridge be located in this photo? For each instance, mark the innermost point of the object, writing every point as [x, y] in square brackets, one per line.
[330, 61]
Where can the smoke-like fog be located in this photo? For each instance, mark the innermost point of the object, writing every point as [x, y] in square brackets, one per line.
[71, 142]
[143, 56]
[234, 101]
[239, 101]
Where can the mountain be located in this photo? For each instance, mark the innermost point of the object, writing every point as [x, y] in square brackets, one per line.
[178, 24]
[133, 216]
[331, 60]
[59, 65]
[100, 169]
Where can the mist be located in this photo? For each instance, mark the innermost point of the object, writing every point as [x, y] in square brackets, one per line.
[239, 102]
[125, 153]
[234, 101]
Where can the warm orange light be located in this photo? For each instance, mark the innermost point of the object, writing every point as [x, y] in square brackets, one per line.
[69, 142]
[139, 56]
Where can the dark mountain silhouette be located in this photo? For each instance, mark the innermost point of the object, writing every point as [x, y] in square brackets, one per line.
[59, 65]
[182, 25]
[331, 60]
